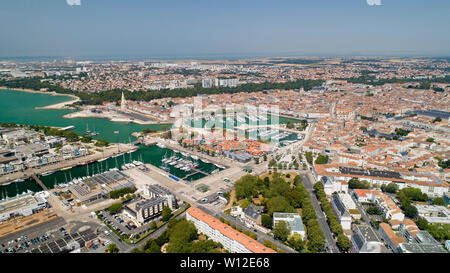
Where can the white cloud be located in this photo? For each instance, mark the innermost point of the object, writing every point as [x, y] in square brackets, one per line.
[73, 2]
[374, 2]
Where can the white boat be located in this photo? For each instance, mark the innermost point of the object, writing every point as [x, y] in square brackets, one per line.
[184, 154]
[18, 180]
[194, 157]
[124, 167]
[103, 159]
[47, 173]
[117, 155]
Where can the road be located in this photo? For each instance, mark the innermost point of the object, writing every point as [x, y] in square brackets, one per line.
[329, 240]
[365, 216]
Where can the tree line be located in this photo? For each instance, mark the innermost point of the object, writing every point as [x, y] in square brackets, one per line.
[92, 98]
[343, 242]
[280, 196]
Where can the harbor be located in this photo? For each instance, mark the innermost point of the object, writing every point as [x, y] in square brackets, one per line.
[129, 157]
[66, 165]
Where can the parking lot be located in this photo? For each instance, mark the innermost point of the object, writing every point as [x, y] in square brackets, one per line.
[53, 241]
[123, 225]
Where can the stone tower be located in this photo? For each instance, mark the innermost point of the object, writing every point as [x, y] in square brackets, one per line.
[123, 104]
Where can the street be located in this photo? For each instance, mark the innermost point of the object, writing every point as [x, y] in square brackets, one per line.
[329, 240]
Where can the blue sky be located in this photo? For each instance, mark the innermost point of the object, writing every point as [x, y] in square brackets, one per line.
[224, 28]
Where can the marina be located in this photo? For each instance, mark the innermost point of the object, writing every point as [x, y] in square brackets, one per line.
[185, 167]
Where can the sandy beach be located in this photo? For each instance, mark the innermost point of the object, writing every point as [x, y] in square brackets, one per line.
[61, 105]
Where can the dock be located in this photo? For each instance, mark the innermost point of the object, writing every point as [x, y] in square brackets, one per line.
[196, 171]
[40, 183]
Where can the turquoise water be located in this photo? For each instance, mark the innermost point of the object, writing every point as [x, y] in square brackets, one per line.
[19, 107]
[148, 154]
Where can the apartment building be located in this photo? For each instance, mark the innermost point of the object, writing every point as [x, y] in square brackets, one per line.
[364, 240]
[341, 212]
[231, 239]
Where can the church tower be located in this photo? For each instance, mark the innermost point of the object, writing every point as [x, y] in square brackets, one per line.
[123, 104]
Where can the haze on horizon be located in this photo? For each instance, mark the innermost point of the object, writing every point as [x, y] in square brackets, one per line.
[224, 28]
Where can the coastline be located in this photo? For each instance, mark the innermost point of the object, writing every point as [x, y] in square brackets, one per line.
[61, 105]
[81, 114]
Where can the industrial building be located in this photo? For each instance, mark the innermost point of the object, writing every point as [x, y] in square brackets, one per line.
[22, 205]
[97, 187]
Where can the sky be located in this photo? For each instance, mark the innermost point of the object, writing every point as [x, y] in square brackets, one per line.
[224, 28]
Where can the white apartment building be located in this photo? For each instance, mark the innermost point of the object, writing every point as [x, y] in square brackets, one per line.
[231, 239]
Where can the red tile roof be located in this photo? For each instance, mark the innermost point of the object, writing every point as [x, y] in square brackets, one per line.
[228, 231]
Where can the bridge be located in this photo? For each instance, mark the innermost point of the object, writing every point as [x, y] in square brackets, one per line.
[34, 176]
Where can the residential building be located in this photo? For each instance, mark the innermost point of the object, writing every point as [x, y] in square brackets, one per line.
[231, 239]
[341, 212]
[389, 236]
[364, 240]
[434, 214]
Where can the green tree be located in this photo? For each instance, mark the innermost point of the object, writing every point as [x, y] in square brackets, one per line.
[245, 186]
[309, 157]
[281, 230]
[166, 214]
[153, 225]
[279, 204]
[391, 188]
[322, 159]
[439, 201]
[422, 224]
[373, 210]
[112, 248]
[343, 242]
[266, 221]
[296, 242]
[115, 208]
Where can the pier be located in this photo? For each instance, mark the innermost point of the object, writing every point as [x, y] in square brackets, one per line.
[196, 171]
[40, 183]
